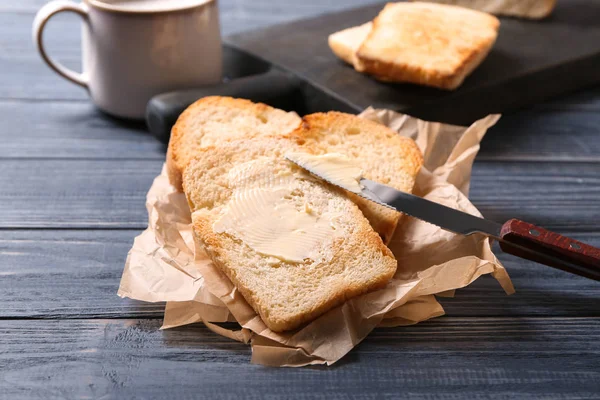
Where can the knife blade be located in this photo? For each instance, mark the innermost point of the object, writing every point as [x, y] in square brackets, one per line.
[516, 237]
[445, 217]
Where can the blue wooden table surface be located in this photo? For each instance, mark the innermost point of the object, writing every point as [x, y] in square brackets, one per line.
[72, 191]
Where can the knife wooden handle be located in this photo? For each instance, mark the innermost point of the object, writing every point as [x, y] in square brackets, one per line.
[528, 241]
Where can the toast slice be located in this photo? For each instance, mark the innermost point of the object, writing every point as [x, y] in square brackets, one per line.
[345, 43]
[427, 44]
[214, 119]
[532, 9]
[383, 155]
[293, 246]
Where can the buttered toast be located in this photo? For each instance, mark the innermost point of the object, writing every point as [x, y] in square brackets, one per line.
[382, 154]
[293, 245]
[211, 120]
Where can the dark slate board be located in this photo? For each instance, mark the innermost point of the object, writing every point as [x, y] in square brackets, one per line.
[530, 62]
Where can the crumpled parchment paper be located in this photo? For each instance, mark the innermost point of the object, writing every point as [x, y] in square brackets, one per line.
[165, 265]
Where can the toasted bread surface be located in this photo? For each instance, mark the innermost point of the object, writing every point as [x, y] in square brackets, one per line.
[211, 120]
[427, 44]
[383, 155]
[286, 294]
[345, 43]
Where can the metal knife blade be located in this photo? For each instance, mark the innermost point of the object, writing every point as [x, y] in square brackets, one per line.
[445, 217]
[516, 237]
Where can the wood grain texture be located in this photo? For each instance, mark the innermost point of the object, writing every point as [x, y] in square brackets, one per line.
[67, 274]
[550, 248]
[450, 358]
[75, 194]
[51, 193]
[243, 11]
[72, 129]
[75, 129]
[565, 130]
[558, 196]
[55, 274]
[64, 165]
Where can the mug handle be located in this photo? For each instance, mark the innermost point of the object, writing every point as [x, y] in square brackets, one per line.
[41, 18]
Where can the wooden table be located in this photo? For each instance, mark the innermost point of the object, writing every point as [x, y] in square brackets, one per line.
[73, 183]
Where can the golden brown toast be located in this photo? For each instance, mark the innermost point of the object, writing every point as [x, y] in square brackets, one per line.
[427, 44]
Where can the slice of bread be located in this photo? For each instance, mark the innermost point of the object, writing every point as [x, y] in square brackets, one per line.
[213, 119]
[427, 44]
[534, 9]
[348, 260]
[345, 43]
[383, 155]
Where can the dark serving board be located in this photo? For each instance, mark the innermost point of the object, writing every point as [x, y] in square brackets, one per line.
[531, 61]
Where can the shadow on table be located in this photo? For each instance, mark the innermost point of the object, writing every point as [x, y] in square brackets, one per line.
[485, 299]
[197, 335]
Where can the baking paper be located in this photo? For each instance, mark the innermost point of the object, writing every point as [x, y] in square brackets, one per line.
[165, 265]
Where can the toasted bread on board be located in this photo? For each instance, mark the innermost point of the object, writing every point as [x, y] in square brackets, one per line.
[427, 44]
[345, 43]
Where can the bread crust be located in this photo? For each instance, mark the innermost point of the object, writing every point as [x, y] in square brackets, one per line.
[179, 143]
[396, 163]
[345, 43]
[213, 244]
[427, 52]
[360, 261]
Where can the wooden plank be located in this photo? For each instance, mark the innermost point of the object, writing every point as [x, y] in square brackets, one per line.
[548, 132]
[76, 273]
[66, 129]
[243, 10]
[74, 129]
[41, 82]
[451, 358]
[110, 194]
[540, 291]
[25, 76]
[67, 274]
[75, 193]
[561, 196]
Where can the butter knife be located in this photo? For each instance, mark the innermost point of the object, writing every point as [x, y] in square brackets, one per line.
[515, 237]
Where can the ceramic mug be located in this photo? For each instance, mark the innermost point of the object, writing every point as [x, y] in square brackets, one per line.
[135, 49]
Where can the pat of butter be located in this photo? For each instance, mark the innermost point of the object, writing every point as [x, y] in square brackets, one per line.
[268, 216]
[333, 167]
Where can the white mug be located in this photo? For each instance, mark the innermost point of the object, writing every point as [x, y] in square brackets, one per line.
[134, 49]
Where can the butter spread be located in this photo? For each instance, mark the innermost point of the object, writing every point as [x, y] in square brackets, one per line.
[333, 167]
[268, 213]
